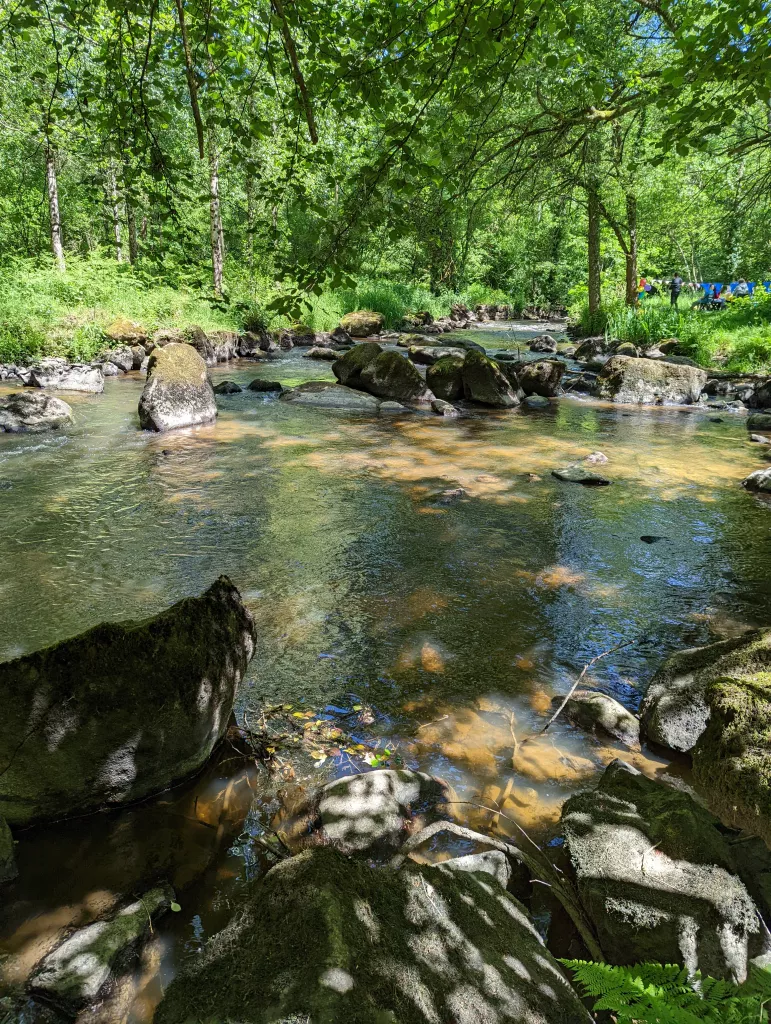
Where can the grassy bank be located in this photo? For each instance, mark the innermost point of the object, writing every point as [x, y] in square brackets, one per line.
[737, 338]
[43, 312]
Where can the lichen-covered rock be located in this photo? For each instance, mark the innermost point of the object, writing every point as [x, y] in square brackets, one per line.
[110, 369]
[32, 412]
[656, 877]
[123, 710]
[126, 332]
[626, 348]
[297, 334]
[166, 335]
[59, 375]
[627, 380]
[599, 712]
[225, 344]
[178, 392]
[445, 378]
[326, 938]
[348, 368]
[542, 378]
[375, 812]
[592, 347]
[199, 340]
[363, 323]
[543, 343]
[392, 376]
[485, 382]
[122, 357]
[7, 858]
[227, 387]
[78, 971]
[325, 395]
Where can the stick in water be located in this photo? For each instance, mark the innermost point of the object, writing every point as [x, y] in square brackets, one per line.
[584, 670]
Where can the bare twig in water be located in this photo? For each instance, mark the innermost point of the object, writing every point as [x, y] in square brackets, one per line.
[584, 670]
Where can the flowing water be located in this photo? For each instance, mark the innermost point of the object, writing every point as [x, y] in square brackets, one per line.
[450, 620]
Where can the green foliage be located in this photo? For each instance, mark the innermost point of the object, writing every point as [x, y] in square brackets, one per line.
[664, 994]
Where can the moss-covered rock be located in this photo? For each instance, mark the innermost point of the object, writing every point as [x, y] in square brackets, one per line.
[393, 376]
[7, 858]
[485, 382]
[627, 380]
[445, 378]
[542, 378]
[759, 421]
[333, 940]
[123, 331]
[123, 710]
[348, 368]
[75, 973]
[732, 759]
[178, 392]
[363, 323]
[599, 712]
[656, 877]
[759, 481]
[199, 340]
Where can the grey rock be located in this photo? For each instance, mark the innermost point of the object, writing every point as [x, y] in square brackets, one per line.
[396, 408]
[320, 352]
[443, 408]
[445, 378]
[418, 944]
[590, 348]
[199, 340]
[59, 375]
[599, 712]
[254, 343]
[8, 870]
[178, 392]
[79, 970]
[225, 344]
[348, 368]
[392, 376]
[759, 421]
[578, 474]
[543, 343]
[33, 413]
[227, 387]
[108, 369]
[122, 357]
[485, 382]
[362, 324]
[123, 710]
[656, 877]
[542, 378]
[265, 386]
[760, 439]
[537, 402]
[332, 396]
[340, 336]
[427, 356]
[649, 382]
[760, 481]
[374, 813]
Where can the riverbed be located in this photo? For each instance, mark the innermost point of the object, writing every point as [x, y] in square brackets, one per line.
[437, 625]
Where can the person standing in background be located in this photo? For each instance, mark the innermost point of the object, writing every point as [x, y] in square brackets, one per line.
[675, 287]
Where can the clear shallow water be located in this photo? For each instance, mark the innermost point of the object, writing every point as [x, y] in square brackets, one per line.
[457, 622]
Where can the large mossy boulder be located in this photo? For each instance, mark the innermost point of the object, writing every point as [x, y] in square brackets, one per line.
[392, 376]
[126, 332]
[445, 378]
[325, 395]
[123, 710]
[543, 377]
[656, 877]
[178, 392]
[77, 972]
[7, 858]
[32, 412]
[329, 939]
[630, 381]
[484, 382]
[363, 323]
[348, 367]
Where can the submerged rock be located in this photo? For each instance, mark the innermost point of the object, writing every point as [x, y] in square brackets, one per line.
[375, 812]
[656, 877]
[326, 395]
[649, 382]
[348, 368]
[578, 474]
[178, 392]
[362, 324]
[486, 383]
[80, 969]
[59, 375]
[123, 710]
[7, 858]
[599, 712]
[395, 408]
[392, 376]
[445, 378]
[32, 412]
[263, 386]
[227, 387]
[328, 938]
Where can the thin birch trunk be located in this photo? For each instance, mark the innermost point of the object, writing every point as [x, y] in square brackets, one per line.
[215, 216]
[53, 210]
[250, 224]
[131, 224]
[112, 193]
[631, 254]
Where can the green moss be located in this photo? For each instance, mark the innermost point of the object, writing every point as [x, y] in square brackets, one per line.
[337, 940]
[363, 323]
[348, 368]
[7, 858]
[485, 382]
[445, 378]
[732, 760]
[176, 361]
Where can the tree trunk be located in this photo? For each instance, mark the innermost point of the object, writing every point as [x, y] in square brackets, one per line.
[593, 238]
[131, 223]
[250, 224]
[215, 216]
[53, 209]
[631, 254]
[112, 192]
